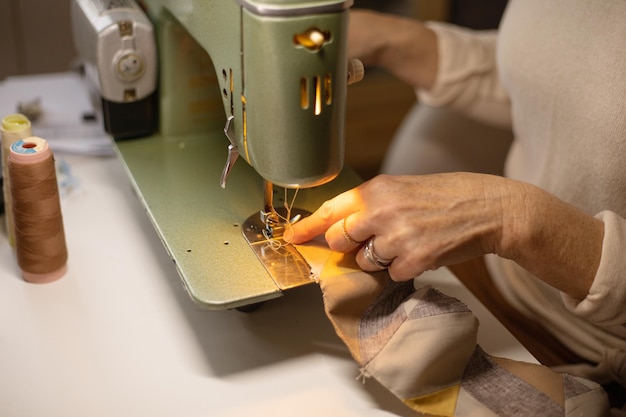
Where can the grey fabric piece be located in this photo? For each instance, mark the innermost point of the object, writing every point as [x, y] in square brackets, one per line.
[489, 384]
[383, 318]
[434, 303]
[572, 387]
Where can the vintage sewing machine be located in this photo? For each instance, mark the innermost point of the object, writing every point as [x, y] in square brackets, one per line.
[260, 80]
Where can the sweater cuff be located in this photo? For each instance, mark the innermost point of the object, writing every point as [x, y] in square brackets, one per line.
[467, 78]
[604, 305]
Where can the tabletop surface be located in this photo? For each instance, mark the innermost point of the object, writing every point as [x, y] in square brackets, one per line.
[119, 336]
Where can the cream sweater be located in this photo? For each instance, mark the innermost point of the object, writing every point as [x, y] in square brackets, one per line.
[556, 72]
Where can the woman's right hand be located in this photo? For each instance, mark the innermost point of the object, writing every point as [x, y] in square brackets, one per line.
[405, 47]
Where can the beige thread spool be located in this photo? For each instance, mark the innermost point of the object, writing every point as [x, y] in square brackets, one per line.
[14, 127]
[39, 235]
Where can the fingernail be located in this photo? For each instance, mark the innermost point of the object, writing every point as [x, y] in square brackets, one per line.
[288, 235]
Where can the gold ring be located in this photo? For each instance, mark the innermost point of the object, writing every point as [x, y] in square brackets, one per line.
[347, 235]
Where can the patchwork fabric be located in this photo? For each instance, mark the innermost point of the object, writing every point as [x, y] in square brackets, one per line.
[421, 345]
[504, 393]
[572, 387]
[386, 314]
[382, 319]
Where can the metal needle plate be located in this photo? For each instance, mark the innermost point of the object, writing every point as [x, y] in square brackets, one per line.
[283, 262]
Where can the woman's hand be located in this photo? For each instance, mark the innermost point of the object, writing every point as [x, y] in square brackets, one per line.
[423, 222]
[404, 47]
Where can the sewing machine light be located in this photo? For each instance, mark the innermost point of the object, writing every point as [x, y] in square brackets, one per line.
[312, 39]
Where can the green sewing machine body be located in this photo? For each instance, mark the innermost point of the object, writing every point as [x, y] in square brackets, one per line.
[251, 64]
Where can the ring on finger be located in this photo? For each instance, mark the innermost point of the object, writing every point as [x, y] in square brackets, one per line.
[347, 235]
[379, 262]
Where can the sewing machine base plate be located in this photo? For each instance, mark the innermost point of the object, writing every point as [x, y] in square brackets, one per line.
[200, 224]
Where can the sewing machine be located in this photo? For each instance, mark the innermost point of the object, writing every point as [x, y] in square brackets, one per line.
[264, 81]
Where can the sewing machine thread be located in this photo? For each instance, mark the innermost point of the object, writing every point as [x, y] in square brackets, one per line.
[39, 235]
[275, 223]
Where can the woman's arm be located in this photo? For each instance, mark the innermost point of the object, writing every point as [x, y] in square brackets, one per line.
[424, 222]
[404, 47]
[447, 65]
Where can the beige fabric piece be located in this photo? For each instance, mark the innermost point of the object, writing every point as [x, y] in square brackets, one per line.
[444, 342]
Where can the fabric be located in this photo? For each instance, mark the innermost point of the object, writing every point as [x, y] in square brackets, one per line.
[556, 72]
[421, 345]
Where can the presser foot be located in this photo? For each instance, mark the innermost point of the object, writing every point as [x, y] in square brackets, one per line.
[283, 262]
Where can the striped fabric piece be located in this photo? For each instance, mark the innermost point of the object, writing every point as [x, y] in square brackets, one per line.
[504, 393]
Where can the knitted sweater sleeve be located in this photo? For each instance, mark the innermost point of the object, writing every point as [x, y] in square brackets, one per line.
[467, 78]
[606, 301]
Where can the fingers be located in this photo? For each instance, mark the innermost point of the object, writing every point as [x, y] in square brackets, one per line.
[417, 222]
[343, 236]
[376, 260]
[372, 256]
[348, 229]
[398, 268]
[325, 218]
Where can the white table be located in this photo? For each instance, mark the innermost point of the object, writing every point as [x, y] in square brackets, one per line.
[118, 335]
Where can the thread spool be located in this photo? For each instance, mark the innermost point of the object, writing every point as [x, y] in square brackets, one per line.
[39, 235]
[13, 128]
